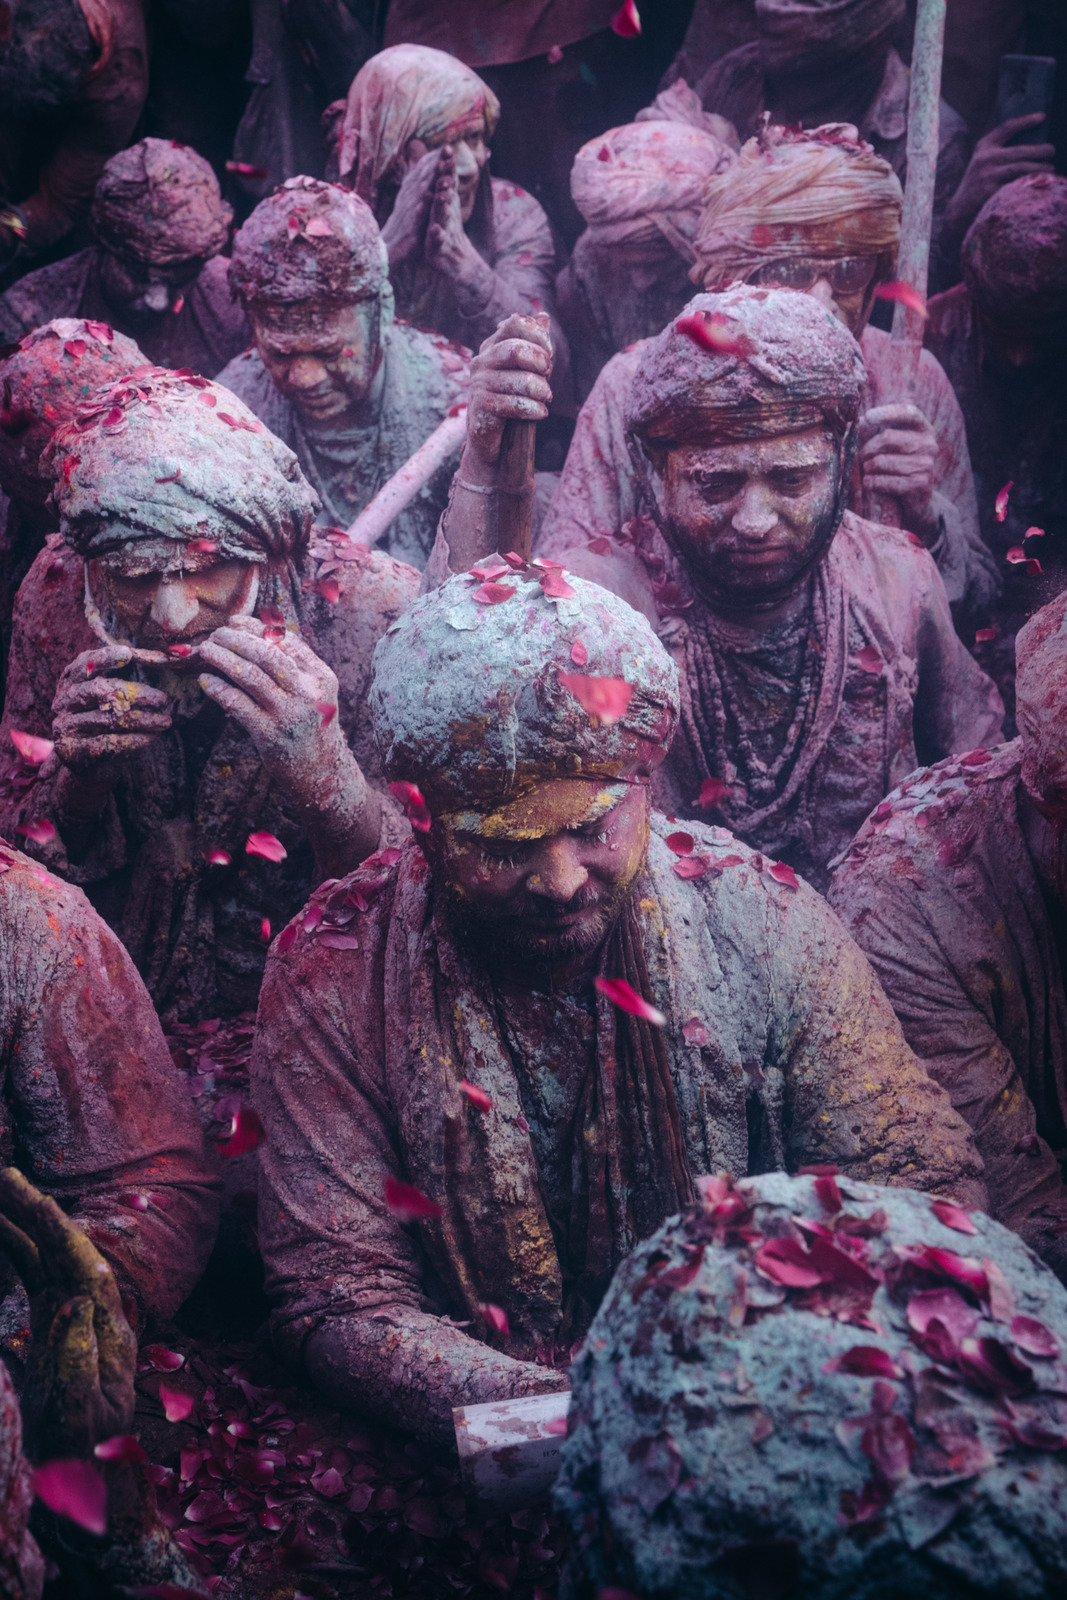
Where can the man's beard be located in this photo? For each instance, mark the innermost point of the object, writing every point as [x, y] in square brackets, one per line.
[516, 936]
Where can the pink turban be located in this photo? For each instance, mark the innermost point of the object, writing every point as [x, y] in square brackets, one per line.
[406, 92]
[1041, 705]
[310, 240]
[1014, 257]
[645, 181]
[166, 455]
[821, 192]
[159, 202]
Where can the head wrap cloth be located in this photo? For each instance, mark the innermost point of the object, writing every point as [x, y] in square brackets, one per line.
[159, 202]
[645, 182]
[1041, 704]
[170, 466]
[801, 37]
[406, 92]
[1014, 257]
[802, 369]
[467, 701]
[311, 240]
[790, 193]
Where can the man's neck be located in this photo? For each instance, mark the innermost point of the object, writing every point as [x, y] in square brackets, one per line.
[750, 621]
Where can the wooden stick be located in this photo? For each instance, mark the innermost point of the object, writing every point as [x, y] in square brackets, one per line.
[513, 503]
[913, 259]
[446, 439]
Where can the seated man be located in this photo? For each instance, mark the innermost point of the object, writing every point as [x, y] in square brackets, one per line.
[813, 63]
[955, 888]
[817, 650]
[331, 374]
[1001, 336]
[461, 1038]
[155, 273]
[640, 189]
[201, 681]
[819, 212]
[92, 1102]
[44, 381]
[465, 249]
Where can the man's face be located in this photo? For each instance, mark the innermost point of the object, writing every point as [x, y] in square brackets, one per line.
[322, 358]
[643, 265]
[542, 880]
[749, 520]
[142, 290]
[162, 593]
[841, 284]
[469, 139]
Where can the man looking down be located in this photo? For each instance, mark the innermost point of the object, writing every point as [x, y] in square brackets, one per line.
[435, 1020]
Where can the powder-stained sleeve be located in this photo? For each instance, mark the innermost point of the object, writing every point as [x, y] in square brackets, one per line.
[348, 1281]
[597, 491]
[944, 968]
[957, 705]
[94, 1110]
[850, 1090]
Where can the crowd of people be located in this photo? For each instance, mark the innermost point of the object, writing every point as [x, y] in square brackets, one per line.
[609, 728]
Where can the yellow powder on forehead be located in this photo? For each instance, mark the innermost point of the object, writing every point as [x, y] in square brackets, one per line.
[548, 808]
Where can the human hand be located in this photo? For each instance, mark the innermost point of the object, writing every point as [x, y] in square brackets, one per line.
[509, 382]
[447, 247]
[994, 163]
[898, 457]
[96, 718]
[81, 1368]
[404, 230]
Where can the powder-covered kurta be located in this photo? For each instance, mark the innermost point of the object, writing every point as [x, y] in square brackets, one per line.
[194, 930]
[92, 1108]
[417, 384]
[941, 892]
[208, 331]
[598, 491]
[802, 1061]
[920, 695]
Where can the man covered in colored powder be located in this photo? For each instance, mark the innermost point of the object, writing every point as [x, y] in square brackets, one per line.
[815, 62]
[1001, 336]
[818, 212]
[203, 678]
[351, 392]
[437, 1035]
[816, 650]
[956, 889]
[640, 189]
[465, 249]
[156, 273]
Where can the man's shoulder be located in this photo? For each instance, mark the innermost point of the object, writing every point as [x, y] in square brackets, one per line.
[881, 560]
[41, 908]
[516, 212]
[420, 353]
[742, 892]
[52, 291]
[344, 926]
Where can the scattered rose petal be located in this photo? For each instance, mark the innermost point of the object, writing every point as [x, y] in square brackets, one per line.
[870, 660]
[244, 169]
[176, 1403]
[556, 587]
[975, 758]
[175, 477]
[410, 797]
[953, 1216]
[904, 294]
[329, 1484]
[714, 333]
[620, 993]
[992, 1367]
[318, 228]
[264, 930]
[178, 304]
[326, 712]
[75, 348]
[1001, 1293]
[579, 654]
[1034, 533]
[208, 400]
[681, 843]
[330, 590]
[600, 546]
[492, 594]
[691, 867]
[1033, 567]
[865, 1361]
[828, 1192]
[74, 1489]
[286, 938]
[246, 1133]
[694, 1032]
[603, 698]
[787, 1262]
[556, 1427]
[1016, 555]
[123, 1447]
[41, 832]
[202, 547]
[160, 1359]
[407, 1203]
[133, 1200]
[984, 635]
[101, 330]
[32, 749]
[712, 790]
[1000, 505]
[218, 858]
[477, 1097]
[267, 846]
[497, 1320]
[781, 872]
[179, 651]
[1033, 1337]
[555, 55]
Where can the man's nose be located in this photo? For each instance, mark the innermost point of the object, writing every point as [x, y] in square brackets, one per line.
[157, 297]
[823, 291]
[558, 873]
[466, 160]
[755, 516]
[305, 372]
[174, 606]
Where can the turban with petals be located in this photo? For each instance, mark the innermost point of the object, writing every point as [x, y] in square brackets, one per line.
[159, 202]
[311, 240]
[468, 702]
[1014, 257]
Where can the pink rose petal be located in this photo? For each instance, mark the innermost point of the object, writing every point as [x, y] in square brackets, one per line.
[953, 1216]
[691, 867]
[782, 873]
[870, 659]
[620, 993]
[267, 846]
[122, 1447]
[407, 1203]
[477, 1097]
[176, 1403]
[41, 831]
[32, 749]
[579, 654]
[681, 843]
[603, 698]
[497, 1320]
[492, 594]
[712, 790]
[865, 1361]
[246, 1134]
[1000, 505]
[410, 797]
[904, 294]
[73, 1489]
[1033, 1337]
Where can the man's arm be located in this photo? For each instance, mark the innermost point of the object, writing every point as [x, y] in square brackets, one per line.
[957, 705]
[100, 1116]
[349, 1279]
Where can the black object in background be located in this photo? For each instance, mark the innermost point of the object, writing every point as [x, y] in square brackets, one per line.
[1026, 86]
